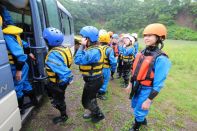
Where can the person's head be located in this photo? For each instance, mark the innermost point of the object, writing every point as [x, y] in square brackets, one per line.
[135, 35]
[115, 39]
[104, 37]
[90, 33]
[154, 34]
[128, 39]
[120, 41]
[53, 36]
[110, 33]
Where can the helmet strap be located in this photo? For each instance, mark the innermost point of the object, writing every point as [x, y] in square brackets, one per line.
[159, 42]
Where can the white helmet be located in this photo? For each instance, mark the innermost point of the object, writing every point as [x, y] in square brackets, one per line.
[134, 35]
[102, 31]
[131, 38]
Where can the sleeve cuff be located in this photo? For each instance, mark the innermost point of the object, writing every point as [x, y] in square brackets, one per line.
[19, 65]
[153, 94]
[27, 50]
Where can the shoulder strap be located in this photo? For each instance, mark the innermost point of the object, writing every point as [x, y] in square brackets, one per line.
[61, 51]
[155, 54]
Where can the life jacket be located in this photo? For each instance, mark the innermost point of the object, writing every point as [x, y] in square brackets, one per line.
[93, 68]
[128, 58]
[68, 59]
[115, 48]
[15, 31]
[106, 63]
[143, 67]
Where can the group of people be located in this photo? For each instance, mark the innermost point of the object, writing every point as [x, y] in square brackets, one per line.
[98, 55]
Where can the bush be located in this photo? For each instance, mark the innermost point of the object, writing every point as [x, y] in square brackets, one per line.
[176, 32]
[181, 33]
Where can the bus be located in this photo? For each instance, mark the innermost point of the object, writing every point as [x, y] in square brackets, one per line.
[32, 16]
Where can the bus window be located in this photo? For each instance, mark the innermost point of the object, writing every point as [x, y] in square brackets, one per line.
[41, 13]
[27, 19]
[65, 24]
[23, 21]
[16, 17]
[51, 14]
[71, 25]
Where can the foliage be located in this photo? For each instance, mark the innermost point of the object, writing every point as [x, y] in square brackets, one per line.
[127, 15]
[181, 33]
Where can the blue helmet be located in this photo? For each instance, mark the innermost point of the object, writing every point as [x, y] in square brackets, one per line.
[90, 32]
[53, 36]
[115, 36]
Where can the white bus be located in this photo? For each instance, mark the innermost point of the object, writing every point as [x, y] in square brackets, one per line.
[33, 16]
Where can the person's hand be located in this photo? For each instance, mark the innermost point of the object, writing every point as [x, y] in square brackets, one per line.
[84, 41]
[18, 75]
[71, 82]
[146, 104]
[128, 89]
[32, 56]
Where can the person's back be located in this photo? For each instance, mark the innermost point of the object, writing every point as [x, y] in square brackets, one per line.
[58, 62]
[109, 65]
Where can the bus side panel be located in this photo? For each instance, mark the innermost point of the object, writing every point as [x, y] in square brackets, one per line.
[6, 81]
[10, 114]
[10, 119]
[4, 58]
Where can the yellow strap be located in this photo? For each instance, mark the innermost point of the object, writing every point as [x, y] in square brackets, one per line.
[18, 38]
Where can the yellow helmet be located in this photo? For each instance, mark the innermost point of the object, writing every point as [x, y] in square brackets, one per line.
[77, 39]
[104, 37]
[1, 21]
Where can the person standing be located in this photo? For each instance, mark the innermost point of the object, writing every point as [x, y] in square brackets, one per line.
[58, 62]
[109, 65]
[150, 70]
[90, 61]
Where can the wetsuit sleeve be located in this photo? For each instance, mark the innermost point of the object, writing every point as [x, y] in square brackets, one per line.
[83, 57]
[153, 94]
[136, 46]
[128, 51]
[16, 50]
[26, 47]
[56, 63]
[112, 59]
[161, 67]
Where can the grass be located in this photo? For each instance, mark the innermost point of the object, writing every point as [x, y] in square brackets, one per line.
[175, 108]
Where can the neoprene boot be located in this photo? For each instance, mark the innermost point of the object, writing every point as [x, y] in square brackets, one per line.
[136, 126]
[32, 97]
[62, 118]
[20, 105]
[97, 117]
